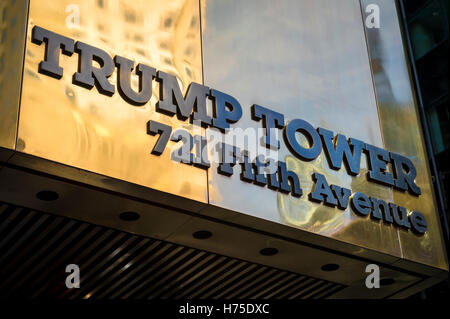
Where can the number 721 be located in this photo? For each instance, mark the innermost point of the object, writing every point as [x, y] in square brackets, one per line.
[183, 153]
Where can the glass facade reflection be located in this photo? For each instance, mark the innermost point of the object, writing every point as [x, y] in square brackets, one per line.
[426, 24]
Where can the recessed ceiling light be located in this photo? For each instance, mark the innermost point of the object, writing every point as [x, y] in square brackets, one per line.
[270, 251]
[47, 196]
[329, 267]
[129, 216]
[202, 234]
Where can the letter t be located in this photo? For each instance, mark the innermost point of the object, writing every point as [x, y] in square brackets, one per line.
[54, 43]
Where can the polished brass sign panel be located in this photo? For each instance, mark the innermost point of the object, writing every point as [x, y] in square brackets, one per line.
[80, 127]
[401, 129]
[13, 17]
[307, 60]
[102, 101]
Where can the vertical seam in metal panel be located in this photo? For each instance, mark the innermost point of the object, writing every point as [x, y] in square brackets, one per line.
[376, 101]
[21, 80]
[203, 79]
[371, 69]
[420, 112]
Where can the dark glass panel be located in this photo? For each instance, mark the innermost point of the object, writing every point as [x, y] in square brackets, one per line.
[438, 119]
[427, 29]
[433, 74]
[412, 6]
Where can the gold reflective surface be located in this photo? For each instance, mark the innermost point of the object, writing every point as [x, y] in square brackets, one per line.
[308, 60]
[305, 59]
[401, 128]
[13, 17]
[69, 124]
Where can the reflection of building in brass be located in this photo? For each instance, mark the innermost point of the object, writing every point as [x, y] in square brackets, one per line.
[101, 133]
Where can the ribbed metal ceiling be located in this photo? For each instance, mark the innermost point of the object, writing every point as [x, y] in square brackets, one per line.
[36, 247]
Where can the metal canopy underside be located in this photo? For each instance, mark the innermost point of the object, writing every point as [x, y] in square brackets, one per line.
[35, 248]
